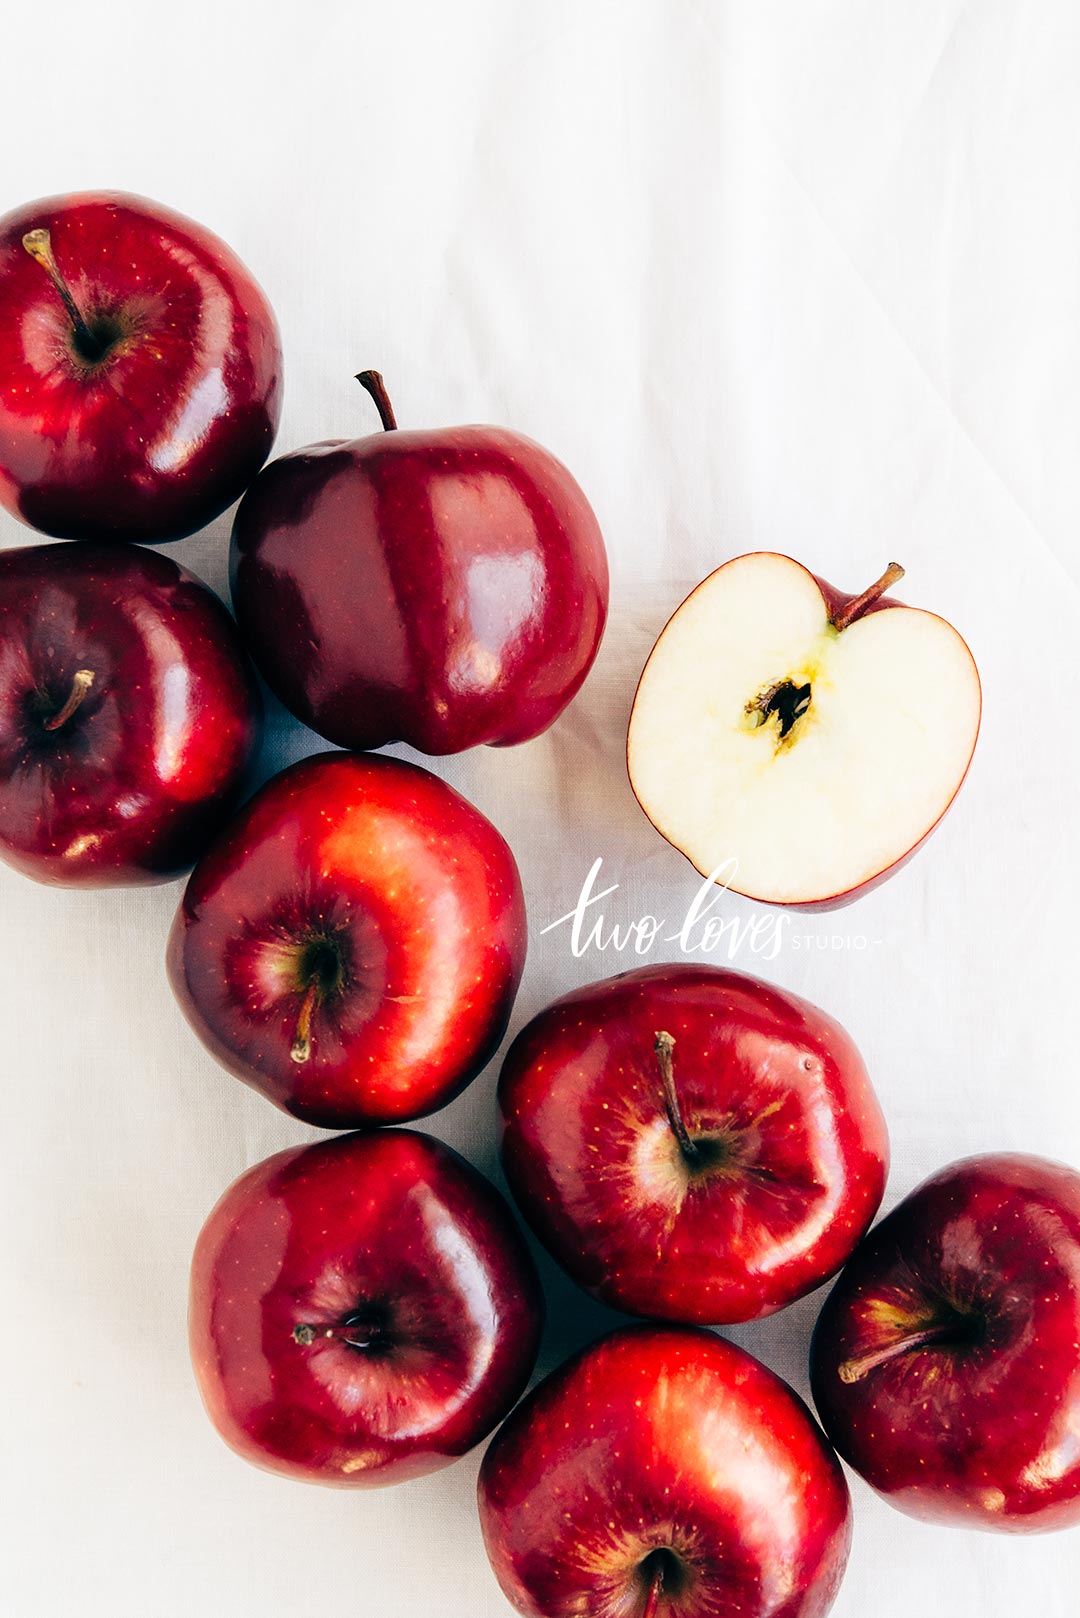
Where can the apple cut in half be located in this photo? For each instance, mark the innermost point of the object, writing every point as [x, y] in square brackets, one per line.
[796, 743]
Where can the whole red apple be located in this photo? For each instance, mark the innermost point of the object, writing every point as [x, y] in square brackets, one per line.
[141, 367]
[362, 1311]
[352, 944]
[128, 714]
[690, 1143]
[796, 743]
[442, 588]
[664, 1473]
[946, 1361]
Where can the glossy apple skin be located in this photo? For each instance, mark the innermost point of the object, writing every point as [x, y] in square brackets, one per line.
[592, 1161]
[978, 1429]
[665, 1443]
[835, 601]
[169, 428]
[394, 1230]
[133, 785]
[419, 898]
[441, 588]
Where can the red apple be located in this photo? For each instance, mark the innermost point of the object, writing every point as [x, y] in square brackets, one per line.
[664, 1473]
[443, 587]
[690, 1143]
[128, 714]
[141, 366]
[352, 944]
[946, 1361]
[362, 1311]
[795, 743]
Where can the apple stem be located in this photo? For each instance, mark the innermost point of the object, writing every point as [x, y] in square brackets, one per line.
[664, 1047]
[373, 382]
[80, 685]
[305, 1335]
[858, 605]
[301, 1045]
[656, 1590]
[38, 243]
[855, 1369]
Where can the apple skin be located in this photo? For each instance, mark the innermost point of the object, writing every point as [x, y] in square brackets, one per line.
[158, 437]
[979, 1427]
[443, 588]
[664, 1450]
[835, 601]
[374, 893]
[394, 1229]
[592, 1160]
[131, 787]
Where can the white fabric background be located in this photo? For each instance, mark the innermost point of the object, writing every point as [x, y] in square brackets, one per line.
[802, 276]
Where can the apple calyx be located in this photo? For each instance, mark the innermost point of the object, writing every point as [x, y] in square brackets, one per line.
[91, 343]
[373, 382]
[859, 604]
[81, 682]
[957, 1330]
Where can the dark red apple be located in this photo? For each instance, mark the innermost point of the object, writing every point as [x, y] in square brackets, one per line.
[690, 1143]
[946, 1361]
[443, 588]
[362, 1311]
[128, 714]
[141, 367]
[664, 1473]
[352, 944]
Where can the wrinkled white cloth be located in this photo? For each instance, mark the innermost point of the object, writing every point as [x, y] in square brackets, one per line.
[800, 276]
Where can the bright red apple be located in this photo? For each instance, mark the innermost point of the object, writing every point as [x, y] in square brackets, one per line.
[664, 1473]
[690, 1143]
[352, 944]
[946, 1361]
[141, 368]
[797, 744]
[362, 1311]
[443, 587]
[128, 714]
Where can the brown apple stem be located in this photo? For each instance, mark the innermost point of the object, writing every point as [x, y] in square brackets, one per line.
[373, 382]
[301, 1045]
[38, 243]
[305, 1335]
[855, 1369]
[858, 605]
[82, 681]
[656, 1590]
[664, 1047]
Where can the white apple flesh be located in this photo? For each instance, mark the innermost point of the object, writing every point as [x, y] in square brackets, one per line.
[798, 741]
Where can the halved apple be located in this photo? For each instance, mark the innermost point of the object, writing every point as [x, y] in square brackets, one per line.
[796, 740]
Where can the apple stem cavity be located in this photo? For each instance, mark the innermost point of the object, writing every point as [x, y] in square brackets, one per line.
[301, 1045]
[861, 1365]
[373, 382]
[81, 682]
[656, 1590]
[664, 1048]
[38, 243]
[305, 1335]
[861, 603]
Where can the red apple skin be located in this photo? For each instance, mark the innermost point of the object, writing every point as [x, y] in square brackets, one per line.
[835, 601]
[132, 786]
[977, 1428]
[591, 1158]
[664, 1448]
[442, 588]
[394, 1231]
[167, 429]
[376, 883]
